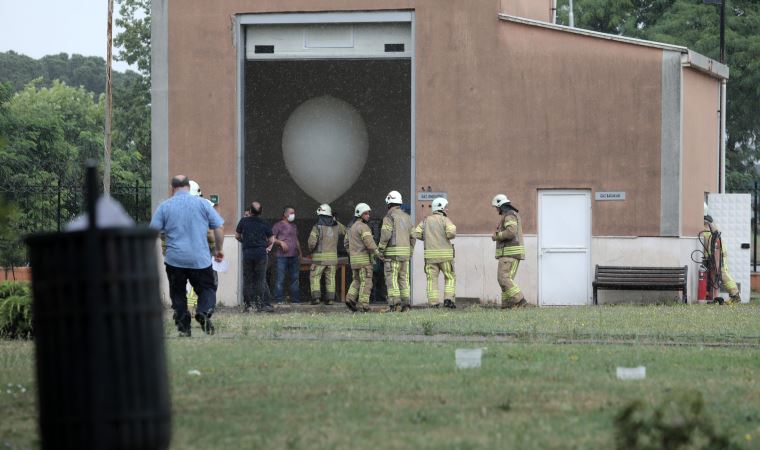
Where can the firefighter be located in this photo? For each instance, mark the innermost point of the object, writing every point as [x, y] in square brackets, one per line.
[323, 246]
[437, 231]
[710, 239]
[361, 249]
[510, 250]
[396, 245]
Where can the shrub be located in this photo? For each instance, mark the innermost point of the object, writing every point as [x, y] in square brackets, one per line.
[15, 310]
[679, 421]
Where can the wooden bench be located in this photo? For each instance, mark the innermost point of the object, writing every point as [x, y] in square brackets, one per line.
[640, 279]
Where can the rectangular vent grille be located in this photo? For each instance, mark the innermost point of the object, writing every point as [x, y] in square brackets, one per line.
[394, 48]
[264, 49]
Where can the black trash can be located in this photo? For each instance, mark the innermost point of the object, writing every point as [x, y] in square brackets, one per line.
[99, 339]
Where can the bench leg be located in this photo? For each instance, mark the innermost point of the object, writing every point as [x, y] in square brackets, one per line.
[595, 301]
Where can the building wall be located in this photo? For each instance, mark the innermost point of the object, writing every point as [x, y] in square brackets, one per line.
[701, 106]
[476, 266]
[520, 117]
[530, 9]
[500, 107]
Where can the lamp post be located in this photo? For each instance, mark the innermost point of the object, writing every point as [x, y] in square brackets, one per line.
[722, 4]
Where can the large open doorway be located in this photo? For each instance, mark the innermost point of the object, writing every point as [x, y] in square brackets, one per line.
[327, 114]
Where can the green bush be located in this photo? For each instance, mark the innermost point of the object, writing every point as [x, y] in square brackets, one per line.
[15, 310]
[678, 422]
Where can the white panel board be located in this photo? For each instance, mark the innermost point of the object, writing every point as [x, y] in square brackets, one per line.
[329, 41]
[732, 213]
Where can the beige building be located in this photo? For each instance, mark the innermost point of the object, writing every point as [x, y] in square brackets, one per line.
[607, 145]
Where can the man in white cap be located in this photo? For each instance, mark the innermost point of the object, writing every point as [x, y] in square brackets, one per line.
[437, 231]
[510, 250]
[361, 250]
[323, 245]
[396, 245]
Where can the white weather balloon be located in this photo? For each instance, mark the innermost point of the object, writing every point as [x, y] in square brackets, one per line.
[325, 147]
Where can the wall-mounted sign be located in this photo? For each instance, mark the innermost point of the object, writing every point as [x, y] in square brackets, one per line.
[430, 196]
[214, 198]
[609, 196]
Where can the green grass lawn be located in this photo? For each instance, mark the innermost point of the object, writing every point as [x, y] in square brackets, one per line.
[389, 380]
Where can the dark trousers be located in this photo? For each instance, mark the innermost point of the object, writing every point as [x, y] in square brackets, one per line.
[289, 265]
[203, 282]
[255, 288]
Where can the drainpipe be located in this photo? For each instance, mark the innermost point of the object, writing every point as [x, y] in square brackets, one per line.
[554, 11]
[722, 170]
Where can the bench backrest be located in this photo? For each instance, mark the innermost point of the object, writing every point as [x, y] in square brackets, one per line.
[642, 275]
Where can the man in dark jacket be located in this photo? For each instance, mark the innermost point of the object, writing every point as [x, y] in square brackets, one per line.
[256, 237]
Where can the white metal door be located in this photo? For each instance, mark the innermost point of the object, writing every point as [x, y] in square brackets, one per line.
[564, 238]
[732, 213]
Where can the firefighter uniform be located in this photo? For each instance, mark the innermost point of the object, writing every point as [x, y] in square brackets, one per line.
[436, 231]
[510, 250]
[361, 249]
[323, 245]
[710, 238]
[396, 246]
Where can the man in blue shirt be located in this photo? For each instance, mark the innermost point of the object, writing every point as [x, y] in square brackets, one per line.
[256, 237]
[184, 219]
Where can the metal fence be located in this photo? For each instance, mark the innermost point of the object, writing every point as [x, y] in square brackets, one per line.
[49, 207]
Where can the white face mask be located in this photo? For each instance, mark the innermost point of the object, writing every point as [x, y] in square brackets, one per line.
[291, 217]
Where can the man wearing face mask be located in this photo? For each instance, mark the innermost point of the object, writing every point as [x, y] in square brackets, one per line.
[287, 252]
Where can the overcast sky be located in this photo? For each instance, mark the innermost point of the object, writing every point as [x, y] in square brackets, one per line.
[44, 27]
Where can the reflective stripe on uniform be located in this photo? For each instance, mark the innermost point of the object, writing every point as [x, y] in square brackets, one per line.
[315, 277]
[450, 283]
[432, 283]
[406, 291]
[360, 259]
[393, 289]
[398, 251]
[439, 253]
[325, 256]
[510, 250]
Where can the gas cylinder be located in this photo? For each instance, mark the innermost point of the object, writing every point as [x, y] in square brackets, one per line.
[702, 285]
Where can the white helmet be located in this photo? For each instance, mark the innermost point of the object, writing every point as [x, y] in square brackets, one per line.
[195, 189]
[439, 204]
[393, 197]
[361, 208]
[499, 200]
[324, 210]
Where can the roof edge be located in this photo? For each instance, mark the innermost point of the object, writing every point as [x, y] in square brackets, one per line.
[704, 64]
[688, 58]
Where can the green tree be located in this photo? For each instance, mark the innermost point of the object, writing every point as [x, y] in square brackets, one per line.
[134, 41]
[693, 24]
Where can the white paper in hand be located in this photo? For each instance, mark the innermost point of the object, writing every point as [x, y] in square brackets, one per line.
[219, 266]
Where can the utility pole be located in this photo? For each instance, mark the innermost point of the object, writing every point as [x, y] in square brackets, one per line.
[108, 107]
[570, 16]
[722, 4]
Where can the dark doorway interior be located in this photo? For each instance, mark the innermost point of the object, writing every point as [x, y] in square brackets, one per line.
[379, 89]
